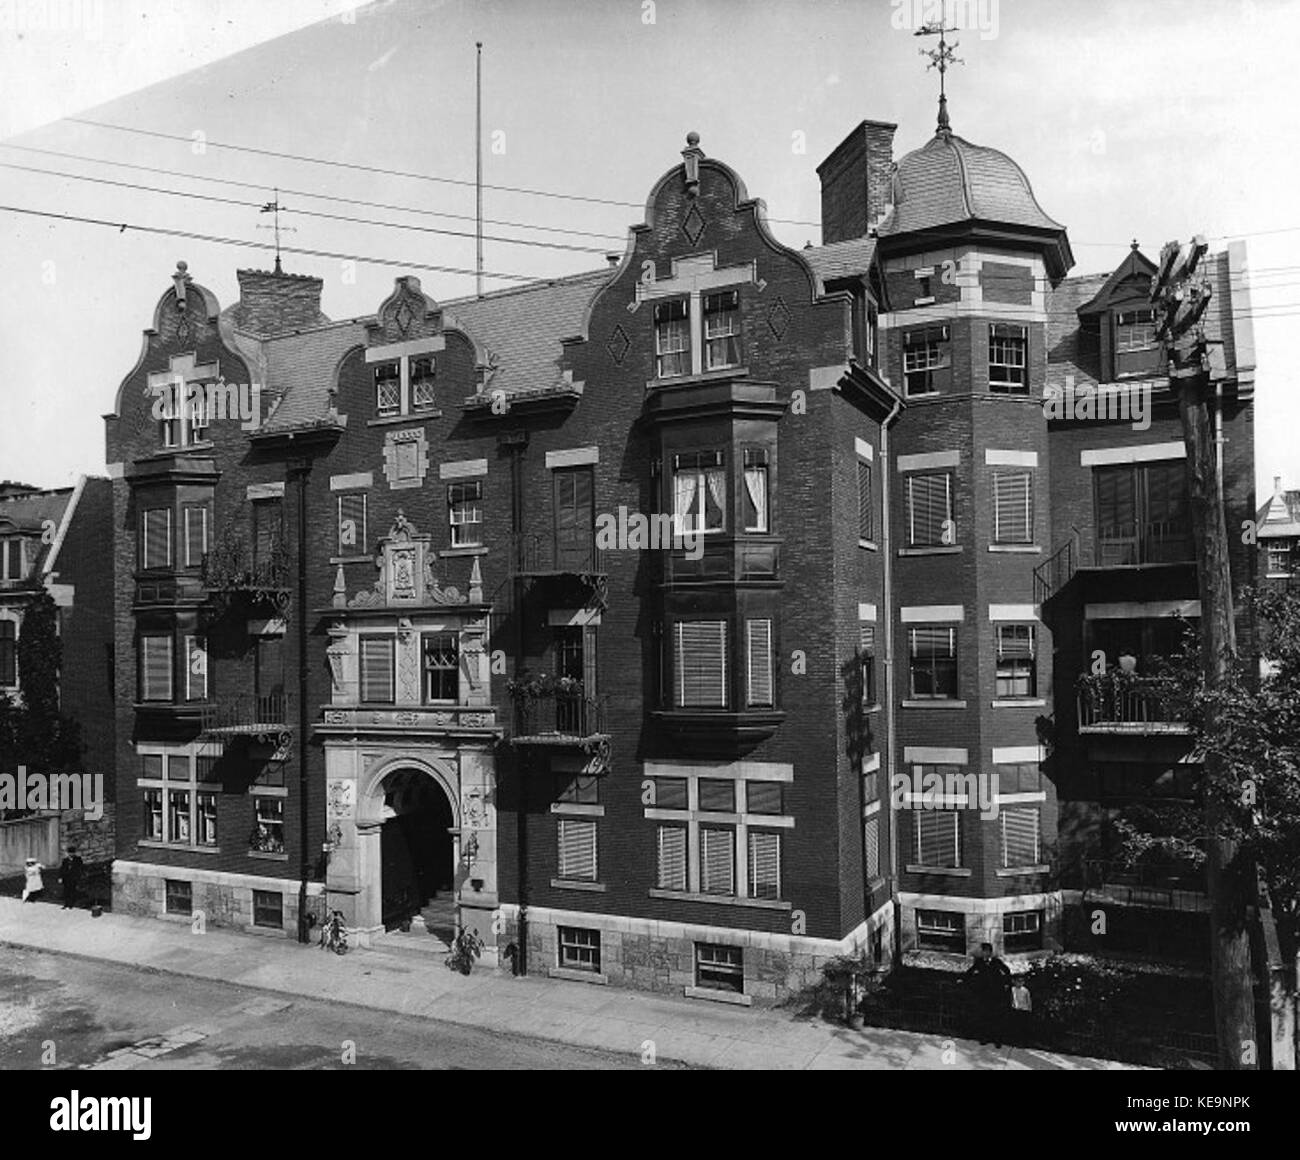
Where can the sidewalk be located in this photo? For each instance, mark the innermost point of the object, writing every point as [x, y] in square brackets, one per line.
[689, 1031]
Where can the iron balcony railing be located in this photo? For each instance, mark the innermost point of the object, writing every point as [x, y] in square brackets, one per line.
[248, 713]
[556, 717]
[1055, 572]
[536, 554]
[231, 567]
[1130, 705]
[1153, 542]
[1167, 887]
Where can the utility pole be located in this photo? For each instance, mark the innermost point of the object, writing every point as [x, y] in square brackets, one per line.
[1179, 298]
[478, 172]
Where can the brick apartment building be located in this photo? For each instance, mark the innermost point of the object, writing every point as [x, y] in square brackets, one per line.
[388, 642]
[55, 541]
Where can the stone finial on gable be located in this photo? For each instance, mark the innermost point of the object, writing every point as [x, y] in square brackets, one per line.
[691, 162]
[181, 280]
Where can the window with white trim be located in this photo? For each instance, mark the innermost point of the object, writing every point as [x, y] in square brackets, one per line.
[1017, 666]
[672, 338]
[388, 389]
[1279, 558]
[867, 664]
[1013, 507]
[12, 565]
[579, 949]
[721, 330]
[465, 512]
[377, 654]
[941, 930]
[929, 510]
[699, 492]
[933, 663]
[755, 496]
[1009, 359]
[1136, 350]
[758, 660]
[180, 792]
[156, 667]
[441, 653]
[720, 968]
[866, 516]
[925, 355]
[195, 519]
[423, 370]
[671, 842]
[717, 860]
[1020, 836]
[268, 909]
[764, 864]
[1022, 930]
[156, 538]
[871, 847]
[268, 825]
[937, 835]
[196, 669]
[576, 841]
[701, 664]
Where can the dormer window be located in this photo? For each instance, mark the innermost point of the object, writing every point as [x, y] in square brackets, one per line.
[1136, 349]
[422, 372]
[722, 330]
[11, 558]
[388, 388]
[672, 338]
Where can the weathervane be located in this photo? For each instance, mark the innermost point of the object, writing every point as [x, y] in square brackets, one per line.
[275, 207]
[940, 58]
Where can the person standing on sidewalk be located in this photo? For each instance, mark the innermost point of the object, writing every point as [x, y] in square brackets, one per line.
[70, 876]
[989, 981]
[33, 883]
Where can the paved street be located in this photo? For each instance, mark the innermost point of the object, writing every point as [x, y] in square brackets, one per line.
[107, 1015]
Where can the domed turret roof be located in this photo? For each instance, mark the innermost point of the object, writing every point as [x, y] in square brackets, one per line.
[949, 180]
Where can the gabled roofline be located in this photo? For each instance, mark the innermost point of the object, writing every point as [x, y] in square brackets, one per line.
[1136, 264]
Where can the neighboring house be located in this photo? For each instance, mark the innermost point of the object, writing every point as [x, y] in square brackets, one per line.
[1277, 526]
[60, 541]
[429, 566]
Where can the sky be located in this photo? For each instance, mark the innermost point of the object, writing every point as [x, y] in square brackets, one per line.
[1147, 119]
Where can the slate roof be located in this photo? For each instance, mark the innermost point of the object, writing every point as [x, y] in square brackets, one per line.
[28, 514]
[300, 368]
[949, 180]
[841, 259]
[1286, 522]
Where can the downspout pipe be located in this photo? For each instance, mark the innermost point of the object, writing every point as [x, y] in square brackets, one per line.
[303, 471]
[887, 602]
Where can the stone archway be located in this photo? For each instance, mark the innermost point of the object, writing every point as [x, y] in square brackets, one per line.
[408, 846]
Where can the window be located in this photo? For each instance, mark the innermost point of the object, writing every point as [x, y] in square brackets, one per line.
[178, 815]
[1022, 930]
[268, 825]
[672, 857]
[699, 492]
[924, 287]
[717, 795]
[867, 661]
[871, 847]
[205, 817]
[871, 786]
[701, 664]
[764, 864]
[941, 930]
[925, 354]
[575, 526]
[577, 849]
[196, 669]
[180, 897]
[764, 797]
[11, 558]
[155, 668]
[156, 538]
[1279, 559]
[670, 793]
[719, 968]
[184, 413]
[938, 838]
[866, 521]
[1136, 349]
[1016, 667]
[934, 663]
[195, 520]
[1022, 777]
[152, 828]
[1143, 514]
[1013, 507]
[929, 510]
[717, 860]
[377, 669]
[722, 330]
[1020, 838]
[577, 790]
[352, 524]
[1008, 359]
[388, 388]
[8, 654]
[672, 338]
[268, 909]
[268, 531]
[759, 662]
[422, 373]
[579, 949]
[441, 667]
[465, 512]
[755, 495]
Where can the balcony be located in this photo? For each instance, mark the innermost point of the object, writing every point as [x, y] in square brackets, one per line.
[1118, 702]
[258, 719]
[231, 570]
[554, 716]
[1132, 543]
[569, 569]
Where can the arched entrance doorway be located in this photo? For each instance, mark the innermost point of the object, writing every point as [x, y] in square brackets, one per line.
[417, 851]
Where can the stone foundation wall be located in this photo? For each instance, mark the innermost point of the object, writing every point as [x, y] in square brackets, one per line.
[222, 900]
[93, 838]
[660, 957]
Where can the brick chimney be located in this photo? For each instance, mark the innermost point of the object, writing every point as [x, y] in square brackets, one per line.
[271, 302]
[856, 180]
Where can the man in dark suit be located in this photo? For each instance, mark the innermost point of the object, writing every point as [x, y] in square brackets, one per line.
[988, 981]
[70, 876]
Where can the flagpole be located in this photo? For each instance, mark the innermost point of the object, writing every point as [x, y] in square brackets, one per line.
[478, 182]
